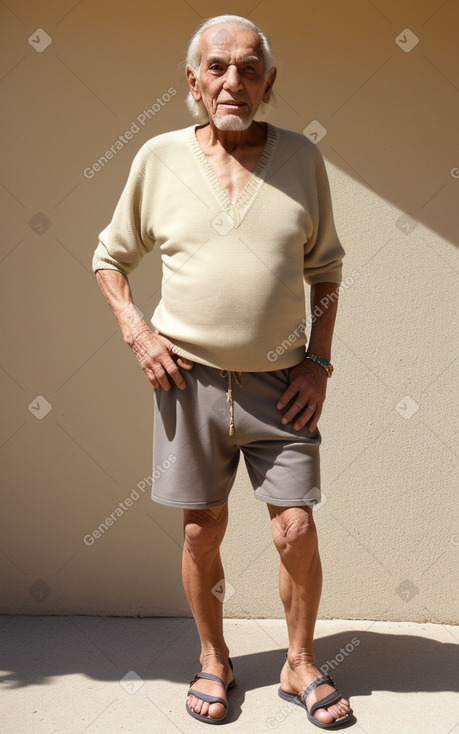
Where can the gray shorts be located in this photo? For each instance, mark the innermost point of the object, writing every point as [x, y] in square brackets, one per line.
[195, 458]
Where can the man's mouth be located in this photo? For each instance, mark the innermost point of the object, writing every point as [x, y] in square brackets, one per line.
[230, 105]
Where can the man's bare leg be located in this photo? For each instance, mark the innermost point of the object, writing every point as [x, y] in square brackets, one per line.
[300, 585]
[202, 569]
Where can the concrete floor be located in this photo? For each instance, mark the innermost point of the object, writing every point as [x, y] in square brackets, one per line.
[98, 674]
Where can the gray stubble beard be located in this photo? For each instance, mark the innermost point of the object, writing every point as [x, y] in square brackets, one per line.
[232, 122]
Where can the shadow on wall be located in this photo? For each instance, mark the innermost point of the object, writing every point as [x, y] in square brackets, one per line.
[381, 98]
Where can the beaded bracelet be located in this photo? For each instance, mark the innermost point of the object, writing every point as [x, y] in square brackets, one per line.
[323, 363]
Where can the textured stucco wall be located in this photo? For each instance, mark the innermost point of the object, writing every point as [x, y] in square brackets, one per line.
[390, 111]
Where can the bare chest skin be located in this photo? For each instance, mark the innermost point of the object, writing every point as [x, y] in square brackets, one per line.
[233, 169]
[234, 174]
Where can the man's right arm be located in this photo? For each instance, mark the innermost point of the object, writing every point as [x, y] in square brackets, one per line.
[153, 351]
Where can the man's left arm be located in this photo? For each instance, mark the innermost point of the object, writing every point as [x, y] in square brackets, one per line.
[308, 380]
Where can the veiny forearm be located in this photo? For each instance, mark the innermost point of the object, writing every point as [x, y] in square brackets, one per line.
[324, 305]
[116, 289]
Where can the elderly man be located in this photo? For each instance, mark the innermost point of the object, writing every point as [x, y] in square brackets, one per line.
[241, 212]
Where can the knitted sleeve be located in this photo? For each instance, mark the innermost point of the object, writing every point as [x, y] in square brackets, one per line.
[323, 257]
[124, 242]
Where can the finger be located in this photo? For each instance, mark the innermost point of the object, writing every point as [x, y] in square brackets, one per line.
[186, 364]
[286, 396]
[174, 373]
[151, 377]
[160, 376]
[311, 421]
[301, 422]
[315, 419]
[307, 416]
[293, 411]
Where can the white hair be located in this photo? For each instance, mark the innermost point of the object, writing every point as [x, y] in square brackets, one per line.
[193, 57]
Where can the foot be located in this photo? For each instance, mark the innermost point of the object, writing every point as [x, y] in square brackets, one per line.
[296, 678]
[211, 688]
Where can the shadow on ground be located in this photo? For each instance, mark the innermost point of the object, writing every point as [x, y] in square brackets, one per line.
[34, 650]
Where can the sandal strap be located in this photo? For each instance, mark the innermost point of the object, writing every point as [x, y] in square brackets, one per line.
[324, 703]
[319, 682]
[206, 697]
[208, 676]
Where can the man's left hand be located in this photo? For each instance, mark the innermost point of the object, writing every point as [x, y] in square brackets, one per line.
[308, 383]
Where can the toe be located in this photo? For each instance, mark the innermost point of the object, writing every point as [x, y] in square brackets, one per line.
[192, 702]
[196, 704]
[211, 685]
[338, 710]
[216, 711]
[203, 708]
[323, 715]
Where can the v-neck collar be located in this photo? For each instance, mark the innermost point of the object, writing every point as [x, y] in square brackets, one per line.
[238, 209]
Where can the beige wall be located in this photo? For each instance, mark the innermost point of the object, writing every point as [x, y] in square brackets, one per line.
[389, 526]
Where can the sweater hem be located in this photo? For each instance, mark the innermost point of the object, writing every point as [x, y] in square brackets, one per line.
[283, 361]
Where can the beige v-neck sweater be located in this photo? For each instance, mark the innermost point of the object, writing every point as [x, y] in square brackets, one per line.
[232, 274]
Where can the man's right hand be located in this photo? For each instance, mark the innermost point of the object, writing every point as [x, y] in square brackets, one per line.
[153, 352]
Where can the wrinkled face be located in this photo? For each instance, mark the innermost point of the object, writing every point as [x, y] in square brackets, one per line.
[231, 81]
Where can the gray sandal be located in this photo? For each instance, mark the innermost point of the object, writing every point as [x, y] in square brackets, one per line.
[324, 703]
[209, 699]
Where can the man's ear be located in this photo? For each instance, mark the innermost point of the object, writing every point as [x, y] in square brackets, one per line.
[193, 83]
[269, 84]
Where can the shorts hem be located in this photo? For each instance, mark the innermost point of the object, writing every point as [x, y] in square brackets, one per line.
[188, 505]
[285, 503]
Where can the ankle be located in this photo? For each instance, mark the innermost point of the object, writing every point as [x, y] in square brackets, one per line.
[215, 656]
[300, 658]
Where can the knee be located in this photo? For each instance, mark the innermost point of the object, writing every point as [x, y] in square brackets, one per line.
[294, 531]
[204, 531]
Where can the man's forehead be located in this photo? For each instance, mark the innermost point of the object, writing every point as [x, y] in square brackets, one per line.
[225, 39]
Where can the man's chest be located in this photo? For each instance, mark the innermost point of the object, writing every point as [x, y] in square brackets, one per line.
[234, 175]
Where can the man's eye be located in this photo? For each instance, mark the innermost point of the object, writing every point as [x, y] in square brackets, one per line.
[215, 67]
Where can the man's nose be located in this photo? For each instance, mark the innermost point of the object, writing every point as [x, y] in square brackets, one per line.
[232, 80]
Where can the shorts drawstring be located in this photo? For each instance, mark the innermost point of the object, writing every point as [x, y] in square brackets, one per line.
[229, 395]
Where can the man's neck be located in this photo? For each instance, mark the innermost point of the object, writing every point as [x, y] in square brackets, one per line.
[231, 140]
